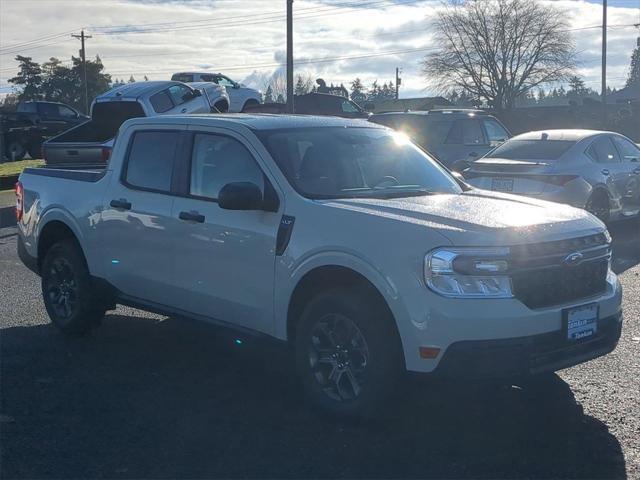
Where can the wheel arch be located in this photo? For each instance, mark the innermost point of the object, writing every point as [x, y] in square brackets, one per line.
[53, 231]
[320, 277]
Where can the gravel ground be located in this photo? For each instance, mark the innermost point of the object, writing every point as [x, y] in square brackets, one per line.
[152, 397]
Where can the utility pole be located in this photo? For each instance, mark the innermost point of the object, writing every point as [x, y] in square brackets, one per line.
[83, 57]
[603, 95]
[290, 105]
[398, 82]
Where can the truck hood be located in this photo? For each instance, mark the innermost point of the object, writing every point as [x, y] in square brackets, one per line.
[480, 217]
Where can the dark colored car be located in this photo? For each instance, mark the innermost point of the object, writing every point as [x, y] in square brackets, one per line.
[315, 104]
[31, 123]
[455, 137]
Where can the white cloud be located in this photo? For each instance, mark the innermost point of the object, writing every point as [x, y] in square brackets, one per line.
[246, 38]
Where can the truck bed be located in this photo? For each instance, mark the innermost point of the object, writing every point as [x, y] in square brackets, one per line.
[81, 173]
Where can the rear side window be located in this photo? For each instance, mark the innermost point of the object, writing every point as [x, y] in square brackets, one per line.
[603, 151]
[466, 132]
[28, 107]
[161, 102]
[531, 149]
[182, 77]
[150, 161]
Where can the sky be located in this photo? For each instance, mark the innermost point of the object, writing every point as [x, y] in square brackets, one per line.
[337, 40]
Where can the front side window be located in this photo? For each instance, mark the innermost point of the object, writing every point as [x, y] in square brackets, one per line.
[349, 107]
[218, 160]
[603, 151]
[496, 134]
[66, 112]
[338, 162]
[150, 160]
[161, 102]
[48, 109]
[180, 94]
[224, 81]
[628, 151]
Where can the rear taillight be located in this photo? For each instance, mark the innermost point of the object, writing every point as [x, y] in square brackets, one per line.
[560, 179]
[19, 201]
[105, 154]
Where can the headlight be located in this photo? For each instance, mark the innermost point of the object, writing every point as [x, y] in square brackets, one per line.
[469, 272]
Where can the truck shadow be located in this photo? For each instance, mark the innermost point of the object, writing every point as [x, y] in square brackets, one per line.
[144, 398]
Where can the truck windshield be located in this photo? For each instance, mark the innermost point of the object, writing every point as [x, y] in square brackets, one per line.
[338, 162]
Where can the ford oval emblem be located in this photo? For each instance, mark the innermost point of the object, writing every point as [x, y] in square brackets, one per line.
[573, 259]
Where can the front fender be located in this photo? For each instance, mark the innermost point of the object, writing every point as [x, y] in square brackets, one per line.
[289, 274]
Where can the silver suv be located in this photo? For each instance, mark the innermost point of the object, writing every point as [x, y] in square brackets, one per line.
[454, 137]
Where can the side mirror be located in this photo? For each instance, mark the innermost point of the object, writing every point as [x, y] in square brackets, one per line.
[236, 86]
[197, 93]
[240, 196]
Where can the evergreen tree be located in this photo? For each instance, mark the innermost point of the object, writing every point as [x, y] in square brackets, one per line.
[634, 70]
[357, 91]
[576, 86]
[29, 78]
[268, 95]
[131, 79]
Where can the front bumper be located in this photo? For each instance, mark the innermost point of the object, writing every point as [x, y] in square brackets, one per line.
[514, 357]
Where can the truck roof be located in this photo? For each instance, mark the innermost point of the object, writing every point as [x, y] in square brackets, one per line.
[134, 90]
[257, 121]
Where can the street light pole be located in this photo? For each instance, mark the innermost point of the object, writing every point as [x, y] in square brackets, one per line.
[603, 95]
[290, 105]
[83, 57]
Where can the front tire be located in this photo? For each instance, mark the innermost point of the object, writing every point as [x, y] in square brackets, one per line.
[348, 354]
[599, 205]
[69, 297]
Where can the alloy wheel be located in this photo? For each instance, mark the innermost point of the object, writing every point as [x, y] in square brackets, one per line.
[338, 357]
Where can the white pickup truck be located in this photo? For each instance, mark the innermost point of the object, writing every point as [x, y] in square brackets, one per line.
[337, 236]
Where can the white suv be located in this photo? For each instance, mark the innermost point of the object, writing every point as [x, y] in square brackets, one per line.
[240, 95]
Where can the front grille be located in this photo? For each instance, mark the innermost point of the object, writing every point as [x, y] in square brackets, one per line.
[540, 279]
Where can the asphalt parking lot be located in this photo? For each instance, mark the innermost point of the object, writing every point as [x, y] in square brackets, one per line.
[151, 397]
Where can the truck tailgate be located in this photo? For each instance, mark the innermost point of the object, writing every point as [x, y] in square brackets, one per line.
[90, 153]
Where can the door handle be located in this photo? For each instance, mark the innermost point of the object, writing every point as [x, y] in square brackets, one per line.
[191, 217]
[636, 171]
[184, 110]
[121, 204]
[605, 171]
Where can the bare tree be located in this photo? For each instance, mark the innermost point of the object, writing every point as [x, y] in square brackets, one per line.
[498, 50]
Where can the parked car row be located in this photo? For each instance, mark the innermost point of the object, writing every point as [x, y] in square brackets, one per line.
[595, 170]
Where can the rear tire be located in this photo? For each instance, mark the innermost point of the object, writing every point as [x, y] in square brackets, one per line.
[348, 353]
[69, 297]
[15, 151]
[599, 205]
[248, 104]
